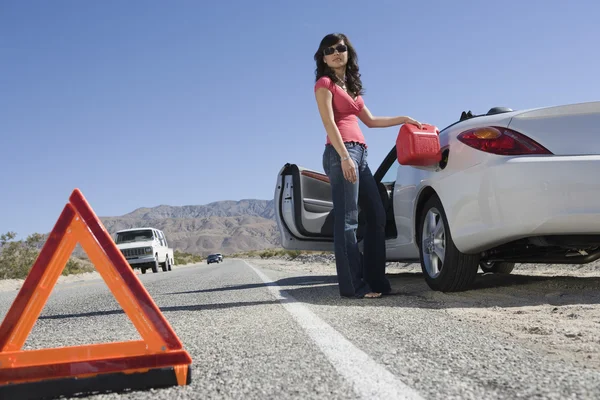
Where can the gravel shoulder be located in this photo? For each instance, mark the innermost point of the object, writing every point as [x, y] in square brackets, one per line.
[553, 310]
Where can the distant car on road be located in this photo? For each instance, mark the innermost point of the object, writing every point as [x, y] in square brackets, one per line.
[486, 192]
[213, 258]
[145, 248]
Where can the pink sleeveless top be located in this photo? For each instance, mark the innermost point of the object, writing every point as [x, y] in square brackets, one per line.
[345, 111]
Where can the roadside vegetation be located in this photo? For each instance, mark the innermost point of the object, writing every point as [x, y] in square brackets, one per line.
[275, 253]
[182, 258]
[18, 256]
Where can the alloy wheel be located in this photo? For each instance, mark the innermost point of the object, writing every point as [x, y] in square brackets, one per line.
[433, 240]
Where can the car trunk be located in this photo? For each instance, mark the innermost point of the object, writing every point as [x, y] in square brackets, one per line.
[564, 130]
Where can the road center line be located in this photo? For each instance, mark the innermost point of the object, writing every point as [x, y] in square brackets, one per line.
[369, 379]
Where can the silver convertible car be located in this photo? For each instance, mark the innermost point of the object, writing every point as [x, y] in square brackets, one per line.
[507, 187]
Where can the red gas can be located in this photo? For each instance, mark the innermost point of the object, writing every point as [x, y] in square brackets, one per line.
[416, 146]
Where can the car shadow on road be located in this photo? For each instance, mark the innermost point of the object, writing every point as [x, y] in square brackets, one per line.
[488, 290]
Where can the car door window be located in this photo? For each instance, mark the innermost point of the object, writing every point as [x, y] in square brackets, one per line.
[157, 237]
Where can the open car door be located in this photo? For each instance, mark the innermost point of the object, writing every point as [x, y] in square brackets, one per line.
[303, 209]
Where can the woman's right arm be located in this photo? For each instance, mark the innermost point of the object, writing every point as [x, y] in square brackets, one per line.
[324, 101]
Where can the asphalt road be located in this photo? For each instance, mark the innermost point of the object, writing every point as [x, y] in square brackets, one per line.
[257, 333]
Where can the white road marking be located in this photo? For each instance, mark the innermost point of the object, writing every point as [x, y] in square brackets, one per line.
[369, 379]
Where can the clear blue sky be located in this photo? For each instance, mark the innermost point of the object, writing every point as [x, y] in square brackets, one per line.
[142, 103]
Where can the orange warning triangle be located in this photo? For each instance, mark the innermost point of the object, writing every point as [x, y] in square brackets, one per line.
[160, 347]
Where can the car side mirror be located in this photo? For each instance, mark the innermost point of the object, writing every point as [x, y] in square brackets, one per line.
[418, 147]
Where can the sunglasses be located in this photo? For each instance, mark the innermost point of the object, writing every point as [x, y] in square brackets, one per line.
[341, 48]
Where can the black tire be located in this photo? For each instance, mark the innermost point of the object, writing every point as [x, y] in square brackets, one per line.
[155, 266]
[497, 267]
[143, 270]
[458, 270]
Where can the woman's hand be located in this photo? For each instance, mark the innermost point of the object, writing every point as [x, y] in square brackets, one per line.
[349, 170]
[409, 120]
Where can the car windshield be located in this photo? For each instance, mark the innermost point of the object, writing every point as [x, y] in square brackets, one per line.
[134, 236]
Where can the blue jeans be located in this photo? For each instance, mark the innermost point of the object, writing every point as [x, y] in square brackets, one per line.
[357, 274]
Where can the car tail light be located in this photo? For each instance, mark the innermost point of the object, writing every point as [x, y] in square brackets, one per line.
[501, 141]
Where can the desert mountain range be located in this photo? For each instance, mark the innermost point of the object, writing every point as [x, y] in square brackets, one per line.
[223, 226]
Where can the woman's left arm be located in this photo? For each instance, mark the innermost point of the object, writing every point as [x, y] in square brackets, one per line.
[383, 122]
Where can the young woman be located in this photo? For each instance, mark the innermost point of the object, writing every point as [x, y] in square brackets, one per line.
[338, 91]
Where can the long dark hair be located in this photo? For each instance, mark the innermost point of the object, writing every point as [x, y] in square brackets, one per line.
[353, 82]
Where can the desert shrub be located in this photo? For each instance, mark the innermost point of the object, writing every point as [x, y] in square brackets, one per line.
[182, 258]
[293, 253]
[267, 254]
[18, 256]
[75, 266]
[274, 253]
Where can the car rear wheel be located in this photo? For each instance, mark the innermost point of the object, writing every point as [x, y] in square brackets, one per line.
[445, 268]
[497, 267]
